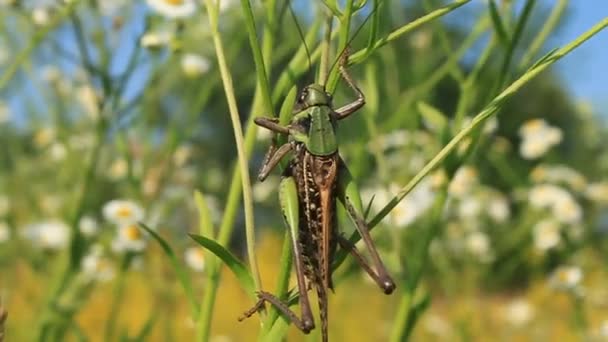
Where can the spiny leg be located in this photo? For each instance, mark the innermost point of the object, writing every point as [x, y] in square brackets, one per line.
[352, 107]
[289, 205]
[349, 196]
[352, 249]
[271, 124]
[272, 158]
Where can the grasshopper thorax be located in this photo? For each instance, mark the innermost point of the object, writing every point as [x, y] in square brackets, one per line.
[315, 121]
[314, 95]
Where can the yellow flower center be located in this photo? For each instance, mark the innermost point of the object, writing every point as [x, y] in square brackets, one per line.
[124, 212]
[199, 254]
[132, 233]
[175, 2]
[534, 125]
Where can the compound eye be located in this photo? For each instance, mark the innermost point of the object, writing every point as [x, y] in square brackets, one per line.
[304, 95]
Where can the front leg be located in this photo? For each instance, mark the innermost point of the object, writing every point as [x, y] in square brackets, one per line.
[272, 158]
[288, 195]
[352, 107]
[271, 124]
[348, 193]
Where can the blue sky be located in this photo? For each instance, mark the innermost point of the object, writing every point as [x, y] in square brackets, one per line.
[585, 70]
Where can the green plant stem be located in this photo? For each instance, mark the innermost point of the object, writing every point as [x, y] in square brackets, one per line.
[204, 321]
[117, 297]
[343, 34]
[541, 37]
[325, 45]
[260, 68]
[515, 38]
[364, 53]
[398, 330]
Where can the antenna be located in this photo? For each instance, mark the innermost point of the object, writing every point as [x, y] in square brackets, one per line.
[295, 19]
[346, 47]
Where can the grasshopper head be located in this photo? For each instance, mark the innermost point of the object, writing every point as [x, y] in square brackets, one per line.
[314, 95]
[314, 121]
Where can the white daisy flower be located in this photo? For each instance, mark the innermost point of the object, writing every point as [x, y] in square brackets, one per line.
[88, 99]
[537, 138]
[182, 154]
[546, 195]
[597, 192]
[568, 211]
[123, 212]
[478, 244]
[118, 169]
[546, 235]
[96, 266]
[469, 207]
[88, 226]
[174, 9]
[5, 232]
[155, 40]
[561, 203]
[415, 204]
[463, 182]
[194, 65]
[49, 235]
[566, 277]
[498, 208]
[559, 174]
[41, 16]
[129, 238]
[44, 136]
[195, 258]
[519, 312]
[57, 151]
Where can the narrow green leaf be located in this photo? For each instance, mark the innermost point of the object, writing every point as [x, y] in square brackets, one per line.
[432, 117]
[544, 58]
[416, 311]
[369, 207]
[145, 331]
[177, 267]
[499, 27]
[238, 268]
[204, 216]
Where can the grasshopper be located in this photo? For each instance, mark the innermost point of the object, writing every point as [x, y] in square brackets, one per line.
[315, 177]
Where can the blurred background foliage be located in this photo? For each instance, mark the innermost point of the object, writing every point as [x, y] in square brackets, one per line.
[113, 112]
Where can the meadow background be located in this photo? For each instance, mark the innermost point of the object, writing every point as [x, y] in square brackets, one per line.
[484, 167]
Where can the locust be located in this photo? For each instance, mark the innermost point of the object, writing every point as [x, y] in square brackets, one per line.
[315, 178]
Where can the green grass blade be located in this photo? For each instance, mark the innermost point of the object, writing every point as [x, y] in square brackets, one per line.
[238, 268]
[204, 216]
[432, 116]
[177, 267]
[499, 27]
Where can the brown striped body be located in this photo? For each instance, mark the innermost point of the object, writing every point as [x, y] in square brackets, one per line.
[316, 179]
